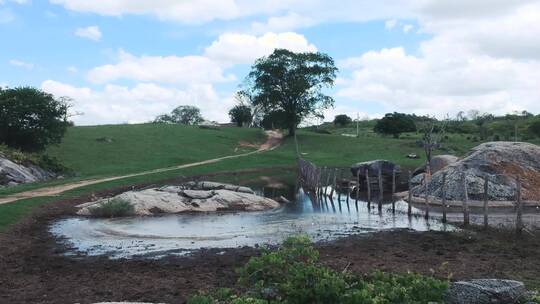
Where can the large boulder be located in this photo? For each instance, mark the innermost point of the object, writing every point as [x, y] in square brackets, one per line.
[486, 291]
[501, 162]
[175, 199]
[12, 174]
[438, 163]
[373, 167]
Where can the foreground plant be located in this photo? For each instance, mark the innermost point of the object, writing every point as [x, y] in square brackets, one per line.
[113, 208]
[293, 275]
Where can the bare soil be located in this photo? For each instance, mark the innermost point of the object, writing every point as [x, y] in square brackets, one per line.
[33, 268]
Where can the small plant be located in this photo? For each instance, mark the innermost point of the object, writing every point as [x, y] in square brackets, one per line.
[293, 275]
[112, 208]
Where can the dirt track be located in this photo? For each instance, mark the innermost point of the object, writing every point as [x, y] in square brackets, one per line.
[273, 141]
[33, 269]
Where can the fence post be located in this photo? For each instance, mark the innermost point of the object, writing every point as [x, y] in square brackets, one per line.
[393, 189]
[409, 207]
[519, 211]
[381, 191]
[327, 182]
[426, 198]
[368, 184]
[357, 185]
[444, 197]
[486, 197]
[340, 180]
[334, 183]
[465, 201]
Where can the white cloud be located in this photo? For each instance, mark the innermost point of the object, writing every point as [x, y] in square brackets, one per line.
[21, 64]
[72, 69]
[407, 28]
[233, 48]
[390, 24]
[285, 23]
[141, 103]
[168, 69]
[89, 32]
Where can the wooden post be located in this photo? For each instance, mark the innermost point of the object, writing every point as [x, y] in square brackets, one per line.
[486, 197]
[519, 207]
[381, 191]
[426, 198]
[338, 189]
[327, 182]
[368, 184]
[444, 197]
[334, 183]
[357, 185]
[393, 189]
[465, 201]
[409, 208]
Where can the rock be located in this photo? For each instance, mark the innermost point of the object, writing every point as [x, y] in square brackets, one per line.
[373, 168]
[438, 163]
[216, 186]
[418, 179]
[412, 156]
[486, 291]
[501, 162]
[12, 173]
[167, 200]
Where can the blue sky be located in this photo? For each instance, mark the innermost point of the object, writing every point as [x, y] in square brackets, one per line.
[127, 61]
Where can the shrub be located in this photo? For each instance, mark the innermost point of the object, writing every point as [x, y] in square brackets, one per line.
[112, 208]
[394, 124]
[342, 120]
[293, 275]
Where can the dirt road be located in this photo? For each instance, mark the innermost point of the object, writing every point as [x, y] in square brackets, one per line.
[273, 141]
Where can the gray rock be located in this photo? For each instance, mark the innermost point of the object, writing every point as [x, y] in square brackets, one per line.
[418, 179]
[14, 174]
[438, 163]
[217, 186]
[373, 168]
[500, 162]
[486, 291]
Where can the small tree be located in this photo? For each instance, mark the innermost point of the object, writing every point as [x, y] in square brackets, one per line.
[31, 119]
[187, 115]
[241, 115]
[534, 127]
[164, 118]
[394, 124]
[433, 132]
[342, 120]
[292, 83]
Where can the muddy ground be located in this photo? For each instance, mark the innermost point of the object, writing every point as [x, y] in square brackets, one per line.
[33, 269]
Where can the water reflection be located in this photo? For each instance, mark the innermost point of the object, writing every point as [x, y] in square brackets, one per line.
[320, 218]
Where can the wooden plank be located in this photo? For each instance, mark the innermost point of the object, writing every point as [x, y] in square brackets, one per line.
[327, 182]
[393, 189]
[357, 186]
[333, 183]
[486, 198]
[368, 184]
[381, 191]
[444, 197]
[409, 207]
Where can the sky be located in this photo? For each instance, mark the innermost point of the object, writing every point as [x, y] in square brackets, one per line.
[126, 61]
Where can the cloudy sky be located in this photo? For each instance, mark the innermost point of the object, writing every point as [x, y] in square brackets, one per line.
[129, 60]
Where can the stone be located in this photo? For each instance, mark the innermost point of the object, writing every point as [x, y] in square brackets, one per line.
[12, 173]
[438, 163]
[486, 291]
[168, 200]
[418, 179]
[205, 185]
[501, 162]
[373, 168]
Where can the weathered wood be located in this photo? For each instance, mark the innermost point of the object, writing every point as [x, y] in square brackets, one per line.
[368, 185]
[381, 191]
[327, 182]
[357, 186]
[338, 189]
[466, 220]
[409, 207]
[393, 190]
[426, 198]
[486, 197]
[519, 207]
[334, 183]
[444, 197]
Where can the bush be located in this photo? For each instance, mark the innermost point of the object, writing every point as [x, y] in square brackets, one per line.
[395, 124]
[43, 161]
[293, 275]
[112, 208]
[342, 120]
[31, 119]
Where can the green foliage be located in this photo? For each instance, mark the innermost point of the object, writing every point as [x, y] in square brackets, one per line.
[395, 124]
[291, 83]
[41, 160]
[31, 119]
[112, 208]
[241, 115]
[534, 128]
[186, 115]
[293, 275]
[342, 120]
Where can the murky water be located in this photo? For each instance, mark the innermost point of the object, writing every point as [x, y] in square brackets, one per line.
[183, 233]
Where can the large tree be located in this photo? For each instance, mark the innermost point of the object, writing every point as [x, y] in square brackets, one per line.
[241, 115]
[292, 83]
[186, 115]
[395, 124]
[30, 119]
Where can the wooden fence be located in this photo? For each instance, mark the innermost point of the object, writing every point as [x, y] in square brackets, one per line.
[325, 181]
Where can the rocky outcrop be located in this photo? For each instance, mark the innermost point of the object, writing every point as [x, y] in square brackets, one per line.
[12, 174]
[372, 168]
[438, 163]
[486, 291]
[178, 199]
[501, 162]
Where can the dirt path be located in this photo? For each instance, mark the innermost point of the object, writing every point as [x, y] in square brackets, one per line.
[273, 141]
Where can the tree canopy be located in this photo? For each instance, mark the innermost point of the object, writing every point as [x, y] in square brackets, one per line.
[187, 115]
[31, 119]
[292, 84]
[241, 115]
[342, 120]
[394, 124]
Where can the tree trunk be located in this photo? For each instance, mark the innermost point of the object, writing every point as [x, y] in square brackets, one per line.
[292, 130]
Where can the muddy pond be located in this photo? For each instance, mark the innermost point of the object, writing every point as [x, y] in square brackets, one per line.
[180, 234]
